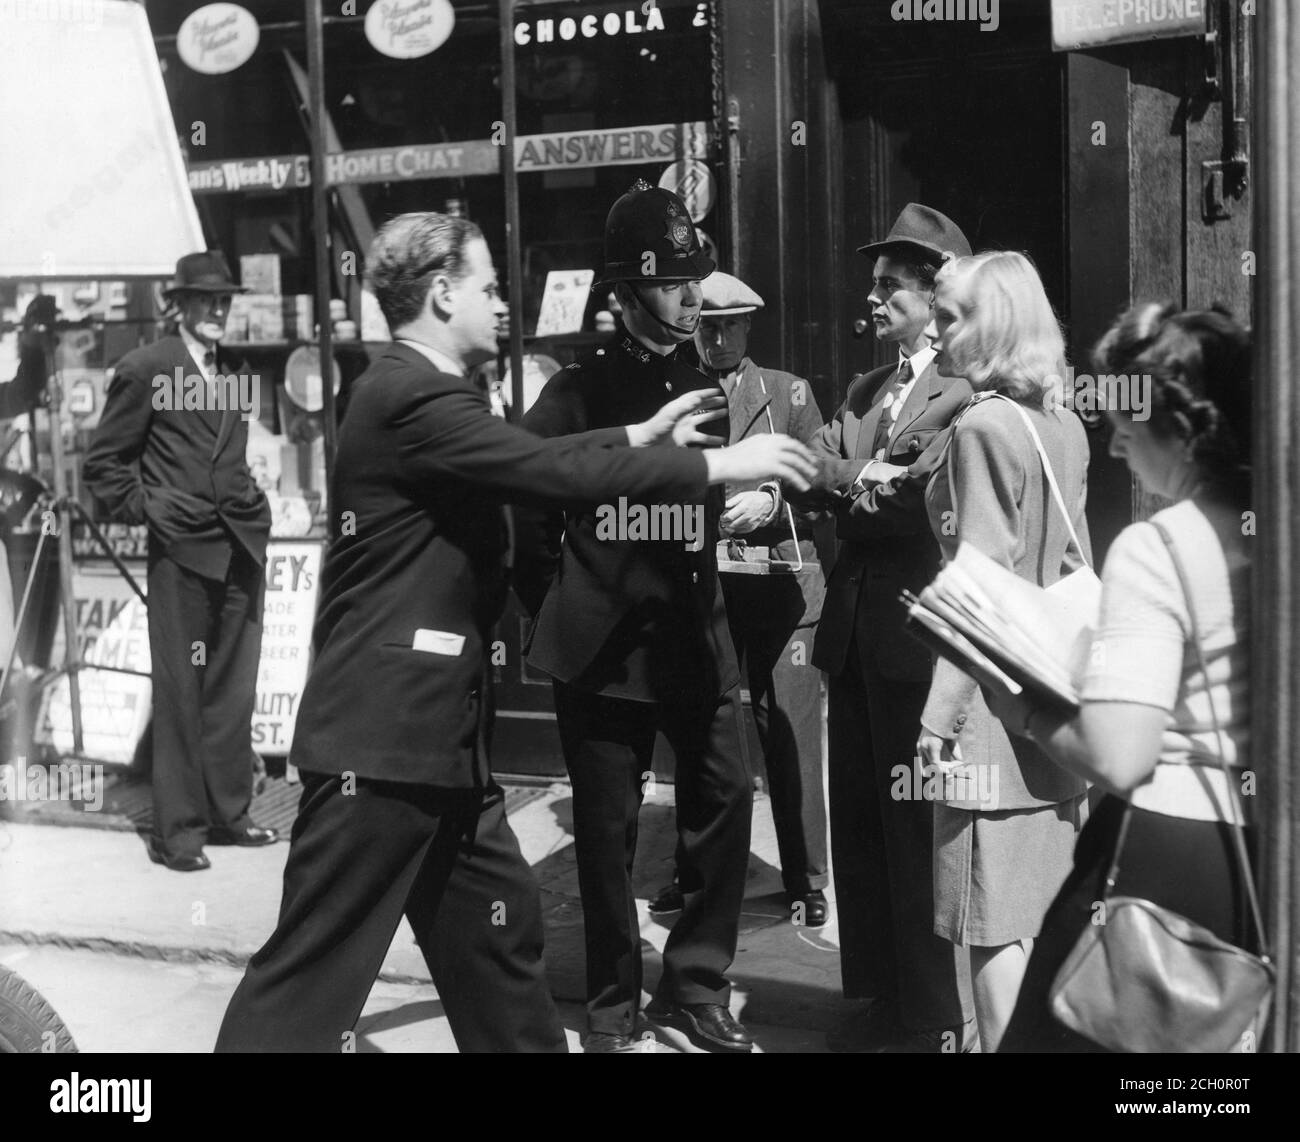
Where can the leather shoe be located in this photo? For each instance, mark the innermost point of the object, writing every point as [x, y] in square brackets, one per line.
[177, 862]
[959, 1039]
[667, 901]
[250, 836]
[709, 1021]
[866, 1031]
[809, 909]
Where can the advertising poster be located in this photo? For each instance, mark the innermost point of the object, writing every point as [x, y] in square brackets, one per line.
[113, 631]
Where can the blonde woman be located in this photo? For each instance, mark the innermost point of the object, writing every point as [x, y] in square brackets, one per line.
[1004, 848]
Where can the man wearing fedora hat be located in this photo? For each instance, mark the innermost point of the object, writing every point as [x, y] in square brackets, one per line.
[773, 596]
[183, 473]
[879, 450]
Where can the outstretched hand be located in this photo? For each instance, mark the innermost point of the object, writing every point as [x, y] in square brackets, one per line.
[767, 457]
[680, 418]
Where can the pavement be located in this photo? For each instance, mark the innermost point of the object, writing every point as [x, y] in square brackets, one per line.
[137, 958]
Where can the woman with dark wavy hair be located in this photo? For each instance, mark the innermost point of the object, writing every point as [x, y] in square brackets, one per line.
[1145, 731]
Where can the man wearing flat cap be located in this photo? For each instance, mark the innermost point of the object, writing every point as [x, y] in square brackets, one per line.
[880, 448]
[182, 471]
[773, 594]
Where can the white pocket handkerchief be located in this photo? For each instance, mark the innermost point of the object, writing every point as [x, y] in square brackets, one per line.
[438, 642]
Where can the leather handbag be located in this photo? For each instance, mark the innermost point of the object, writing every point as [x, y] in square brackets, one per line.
[1143, 978]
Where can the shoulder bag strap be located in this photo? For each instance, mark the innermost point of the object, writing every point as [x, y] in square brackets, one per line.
[1042, 455]
[946, 456]
[1238, 830]
[1051, 476]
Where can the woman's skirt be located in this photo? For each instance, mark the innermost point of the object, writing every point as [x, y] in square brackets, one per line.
[996, 874]
[1186, 866]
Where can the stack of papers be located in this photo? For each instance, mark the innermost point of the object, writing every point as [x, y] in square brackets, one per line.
[1005, 631]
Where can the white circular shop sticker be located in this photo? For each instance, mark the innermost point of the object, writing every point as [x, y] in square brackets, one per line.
[408, 29]
[302, 378]
[217, 38]
[692, 182]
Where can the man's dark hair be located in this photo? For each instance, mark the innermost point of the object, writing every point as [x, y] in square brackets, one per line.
[924, 271]
[405, 255]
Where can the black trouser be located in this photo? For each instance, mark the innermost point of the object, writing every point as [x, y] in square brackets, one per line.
[765, 613]
[608, 744]
[358, 861]
[1189, 867]
[882, 851]
[205, 638]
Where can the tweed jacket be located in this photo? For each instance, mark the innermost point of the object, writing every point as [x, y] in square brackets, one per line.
[1004, 506]
[752, 393]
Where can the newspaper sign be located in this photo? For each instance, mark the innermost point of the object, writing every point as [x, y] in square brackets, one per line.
[288, 612]
[113, 632]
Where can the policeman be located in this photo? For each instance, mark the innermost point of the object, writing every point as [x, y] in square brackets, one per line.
[774, 597]
[634, 634]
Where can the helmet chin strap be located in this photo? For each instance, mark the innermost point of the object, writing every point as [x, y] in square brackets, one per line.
[658, 319]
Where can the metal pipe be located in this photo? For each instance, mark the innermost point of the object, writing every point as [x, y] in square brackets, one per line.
[321, 227]
[63, 515]
[514, 248]
[1239, 150]
[1275, 720]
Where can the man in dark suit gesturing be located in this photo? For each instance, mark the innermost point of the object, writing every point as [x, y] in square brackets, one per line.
[400, 813]
[880, 448]
[170, 452]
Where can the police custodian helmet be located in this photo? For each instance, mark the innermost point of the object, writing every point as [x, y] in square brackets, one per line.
[649, 237]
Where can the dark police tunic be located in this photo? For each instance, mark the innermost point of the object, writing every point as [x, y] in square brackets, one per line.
[651, 622]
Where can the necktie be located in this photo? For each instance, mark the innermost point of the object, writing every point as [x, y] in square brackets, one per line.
[892, 406]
